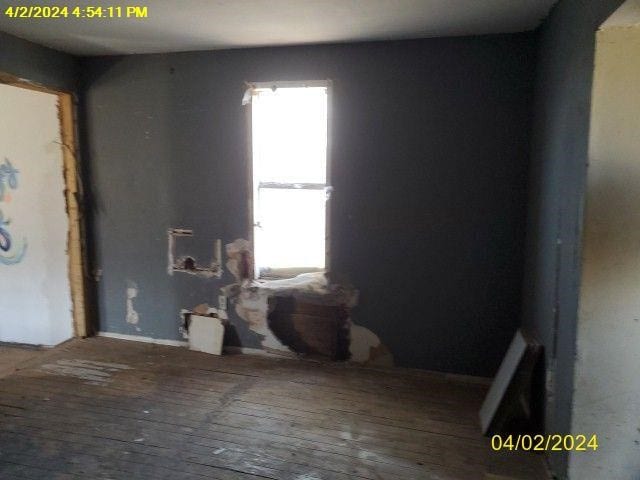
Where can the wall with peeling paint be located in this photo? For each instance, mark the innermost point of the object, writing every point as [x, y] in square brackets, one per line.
[430, 153]
[35, 296]
[38, 64]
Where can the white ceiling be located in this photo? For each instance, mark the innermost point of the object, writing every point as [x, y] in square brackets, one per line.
[182, 25]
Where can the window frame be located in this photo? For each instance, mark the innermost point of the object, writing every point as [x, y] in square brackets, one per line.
[282, 273]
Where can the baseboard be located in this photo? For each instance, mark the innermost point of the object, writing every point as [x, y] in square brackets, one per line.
[138, 338]
[177, 343]
[246, 350]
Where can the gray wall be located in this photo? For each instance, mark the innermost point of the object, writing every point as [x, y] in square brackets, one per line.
[37, 64]
[559, 157]
[429, 167]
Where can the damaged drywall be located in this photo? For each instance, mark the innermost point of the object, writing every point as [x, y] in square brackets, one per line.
[188, 263]
[365, 347]
[395, 230]
[310, 329]
[252, 306]
[255, 301]
[239, 261]
[202, 309]
[132, 316]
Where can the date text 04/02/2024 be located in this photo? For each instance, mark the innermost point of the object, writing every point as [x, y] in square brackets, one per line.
[540, 443]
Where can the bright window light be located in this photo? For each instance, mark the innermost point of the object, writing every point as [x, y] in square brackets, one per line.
[289, 137]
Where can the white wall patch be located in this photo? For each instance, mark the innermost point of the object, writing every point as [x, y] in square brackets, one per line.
[132, 316]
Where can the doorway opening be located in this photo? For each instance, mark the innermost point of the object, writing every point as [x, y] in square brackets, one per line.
[607, 387]
[41, 247]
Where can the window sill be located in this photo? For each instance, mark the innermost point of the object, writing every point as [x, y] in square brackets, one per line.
[285, 273]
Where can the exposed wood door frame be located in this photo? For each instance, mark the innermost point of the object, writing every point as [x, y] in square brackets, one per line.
[76, 234]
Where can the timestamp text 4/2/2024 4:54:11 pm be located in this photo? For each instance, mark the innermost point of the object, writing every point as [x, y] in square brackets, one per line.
[56, 11]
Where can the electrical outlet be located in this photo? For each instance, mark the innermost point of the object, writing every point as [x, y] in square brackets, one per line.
[222, 302]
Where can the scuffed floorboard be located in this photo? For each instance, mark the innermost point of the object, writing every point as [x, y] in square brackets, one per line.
[13, 357]
[109, 409]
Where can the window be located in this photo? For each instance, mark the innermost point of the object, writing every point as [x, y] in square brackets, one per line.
[289, 149]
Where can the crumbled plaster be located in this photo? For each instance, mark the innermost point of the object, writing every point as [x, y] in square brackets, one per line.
[132, 316]
[94, 373]
[366, 347]
[171, 247]
[252, 305]
[251, 298]
[239, 259]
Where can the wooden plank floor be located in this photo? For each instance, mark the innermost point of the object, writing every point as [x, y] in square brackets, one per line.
[12, 356]
[109, 409]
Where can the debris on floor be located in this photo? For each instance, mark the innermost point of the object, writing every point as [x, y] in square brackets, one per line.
[94, 373]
